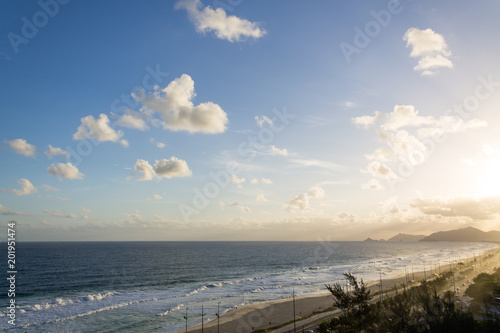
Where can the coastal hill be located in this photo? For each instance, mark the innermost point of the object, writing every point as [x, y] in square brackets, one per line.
[469, 234]
[406, 238]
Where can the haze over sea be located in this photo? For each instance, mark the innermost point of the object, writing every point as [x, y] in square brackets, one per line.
[146, 286]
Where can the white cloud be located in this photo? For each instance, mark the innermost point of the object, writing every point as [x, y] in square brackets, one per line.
[145, 168]
[367, 121]
[85, 213]
[254, 181]
[22, 147]
[380, 170]
[60, 213]
[130, 121]
[261, 198]
[65, 170]
[301, 201]
[99, 130]
[245, 209]
[449, 125]
[231, 28]
[430, 47]
[6, 211]
[49, 188]
[477, 209]
[404, 132]
[261, 121]
[174, 104]
[316, 192]
[236, 180]
[164, 168]
[160, 145]
[405, 116]
[314, 163]
[26, 188]
[52, 151]
[389, 206]
[278, 151]
[373, 184]
[156, 197]
[381, 154]
[266, 181]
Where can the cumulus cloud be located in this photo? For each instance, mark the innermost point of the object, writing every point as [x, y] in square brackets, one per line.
[477, 209]
[26, 188]
[373, 184]
[266, 181]
[380, 170]
[277, 151]
[164, 168]
[404, 132]
[301, 201]
[130, 121]
[60, 213]
[65, 170]
[237, 180]
[431, 49]
[367, 121]
[22, 147]
[231, 28]
[316, 192]
[52, 151]
[99, 130]
[156, 197]
[174, 104]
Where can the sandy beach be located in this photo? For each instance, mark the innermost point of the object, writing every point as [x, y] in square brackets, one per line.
[270, 314]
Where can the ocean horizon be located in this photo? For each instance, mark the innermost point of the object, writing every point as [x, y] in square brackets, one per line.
[147, 286]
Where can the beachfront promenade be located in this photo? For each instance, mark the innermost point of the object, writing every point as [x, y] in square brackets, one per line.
[270, 315]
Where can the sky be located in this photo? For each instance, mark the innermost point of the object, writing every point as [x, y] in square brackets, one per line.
[248, 120]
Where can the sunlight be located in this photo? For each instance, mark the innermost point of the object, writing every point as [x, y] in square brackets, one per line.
[489, 180]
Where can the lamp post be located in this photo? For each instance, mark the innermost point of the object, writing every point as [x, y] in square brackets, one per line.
[202, 315]
[293, 296]
[186, 317]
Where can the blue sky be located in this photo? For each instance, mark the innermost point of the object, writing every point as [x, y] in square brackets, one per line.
[319, 120]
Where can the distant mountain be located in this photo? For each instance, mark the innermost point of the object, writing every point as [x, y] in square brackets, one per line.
[373, 240]
[406, 238]
[469, 234]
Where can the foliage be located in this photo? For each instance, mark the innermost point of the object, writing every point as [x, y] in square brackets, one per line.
[419, 309]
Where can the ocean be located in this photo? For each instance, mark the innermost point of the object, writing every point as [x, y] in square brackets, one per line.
[147, 286]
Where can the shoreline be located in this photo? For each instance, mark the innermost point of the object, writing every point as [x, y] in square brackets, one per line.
[268, 314]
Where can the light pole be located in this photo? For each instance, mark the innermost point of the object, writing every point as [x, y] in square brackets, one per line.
[186, 317]
[218, 317]
[293, 296]
[202, 315]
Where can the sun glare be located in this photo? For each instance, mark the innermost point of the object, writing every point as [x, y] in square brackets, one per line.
[489, 180]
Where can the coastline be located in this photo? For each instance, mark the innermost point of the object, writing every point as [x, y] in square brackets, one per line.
[265, 315]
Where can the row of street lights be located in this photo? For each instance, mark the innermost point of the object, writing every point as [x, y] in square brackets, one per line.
[203, 314]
